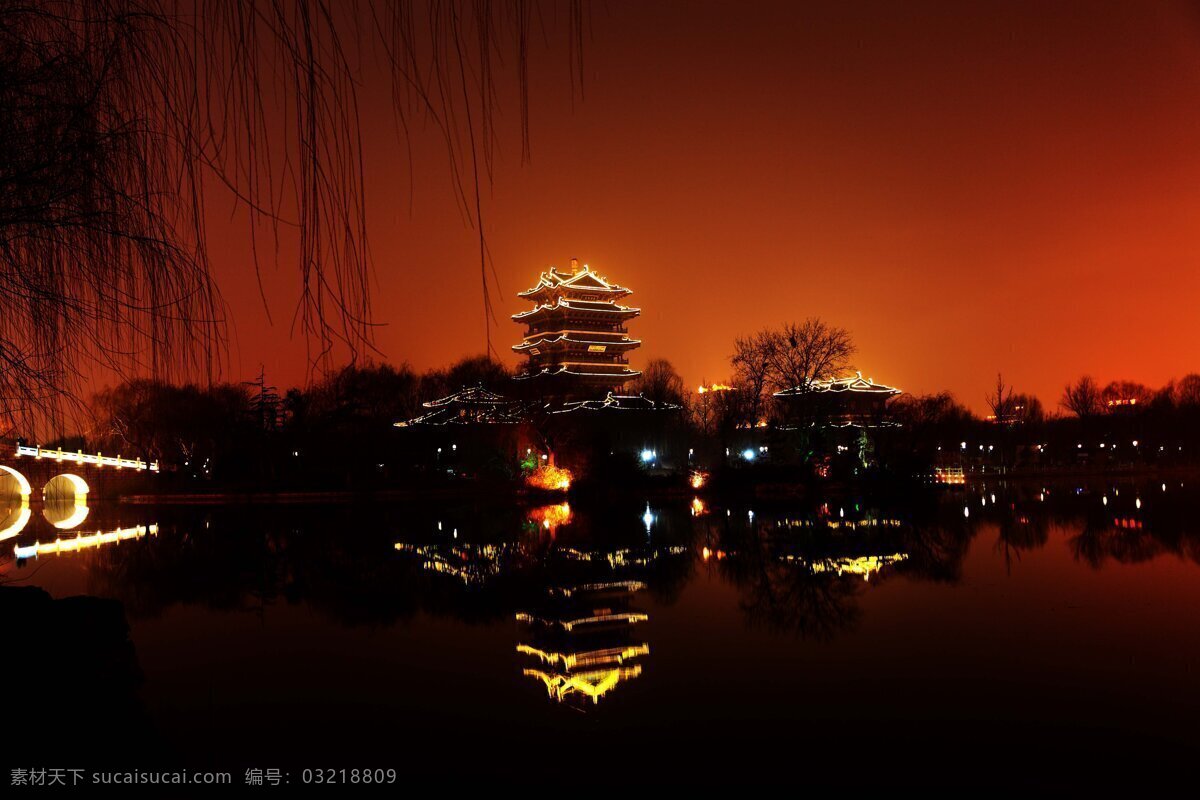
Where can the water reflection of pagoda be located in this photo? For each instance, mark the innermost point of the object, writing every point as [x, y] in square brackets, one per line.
[581, 631]
[575, 337]
[584, 641]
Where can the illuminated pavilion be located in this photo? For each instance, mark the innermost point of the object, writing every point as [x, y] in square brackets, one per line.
[575, 340]
[842, 402]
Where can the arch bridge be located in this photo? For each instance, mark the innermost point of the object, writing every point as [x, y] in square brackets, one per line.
[60, 481]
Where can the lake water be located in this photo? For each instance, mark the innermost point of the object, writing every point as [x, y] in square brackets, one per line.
[1010, 634]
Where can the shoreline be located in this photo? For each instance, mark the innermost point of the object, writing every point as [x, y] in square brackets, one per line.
[761, 490]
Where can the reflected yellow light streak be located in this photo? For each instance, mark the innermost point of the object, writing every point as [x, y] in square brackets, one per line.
[605, 586]
[588, 659]
[569, 625]
[592, 684]
[82, 542]
[862, 566]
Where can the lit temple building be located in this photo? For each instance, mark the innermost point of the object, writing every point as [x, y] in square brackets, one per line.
[575, 337]
[471, 405]
[842, 402]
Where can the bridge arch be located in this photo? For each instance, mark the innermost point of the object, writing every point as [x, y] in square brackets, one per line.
[65, 501]
[65, 485]
[22, 482]
[14, 508]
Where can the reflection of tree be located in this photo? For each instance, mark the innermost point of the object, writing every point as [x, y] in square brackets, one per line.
[344, 562]
[936, 550]
[785, 595]
[1100, 540]
[1019, 533]
[788, 598]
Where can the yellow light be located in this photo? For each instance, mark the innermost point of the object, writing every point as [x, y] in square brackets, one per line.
[698, 479]
[552, 516]
[590, 658]
[80, 457]
[550, 478]
[83, 542]
[593, 684]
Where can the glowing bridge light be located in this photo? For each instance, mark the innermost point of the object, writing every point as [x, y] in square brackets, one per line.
[749, 454]
[80, 457]
[648, 456]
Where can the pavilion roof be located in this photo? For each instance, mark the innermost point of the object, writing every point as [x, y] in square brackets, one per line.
[856, 384]
[607, 307]
[473, 404]
[624, 341]
[618, 402]
[583, 279]
[565, 369]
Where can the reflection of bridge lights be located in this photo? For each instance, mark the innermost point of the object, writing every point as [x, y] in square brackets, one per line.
[698, 507]
[18, 524]
[82, 542]
[79, 512]
[698, 479]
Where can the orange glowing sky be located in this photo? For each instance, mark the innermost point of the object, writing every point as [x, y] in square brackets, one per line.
[966, 187]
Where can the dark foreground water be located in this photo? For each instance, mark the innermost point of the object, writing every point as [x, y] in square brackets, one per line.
[995, 635]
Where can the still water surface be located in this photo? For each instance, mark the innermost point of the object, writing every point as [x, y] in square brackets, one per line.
[997, 634]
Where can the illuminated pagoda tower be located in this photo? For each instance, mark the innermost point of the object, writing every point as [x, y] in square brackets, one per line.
[575, 337]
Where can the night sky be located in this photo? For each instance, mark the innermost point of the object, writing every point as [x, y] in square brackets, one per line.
[966, 187]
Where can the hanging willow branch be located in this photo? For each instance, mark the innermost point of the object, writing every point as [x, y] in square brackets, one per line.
[116, 116]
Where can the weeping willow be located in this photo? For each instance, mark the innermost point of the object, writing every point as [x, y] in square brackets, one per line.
[118, 116]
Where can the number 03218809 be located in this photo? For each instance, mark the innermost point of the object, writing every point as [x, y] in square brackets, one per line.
[344, 776]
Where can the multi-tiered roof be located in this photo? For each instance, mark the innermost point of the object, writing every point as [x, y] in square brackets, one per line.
[575, 337]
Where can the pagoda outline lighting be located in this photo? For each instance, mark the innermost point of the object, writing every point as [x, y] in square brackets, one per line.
[575, 341]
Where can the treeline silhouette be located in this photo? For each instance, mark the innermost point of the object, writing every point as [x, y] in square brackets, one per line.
[337, 433]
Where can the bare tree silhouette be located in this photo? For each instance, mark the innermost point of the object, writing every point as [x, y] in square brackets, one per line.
[118, 116]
